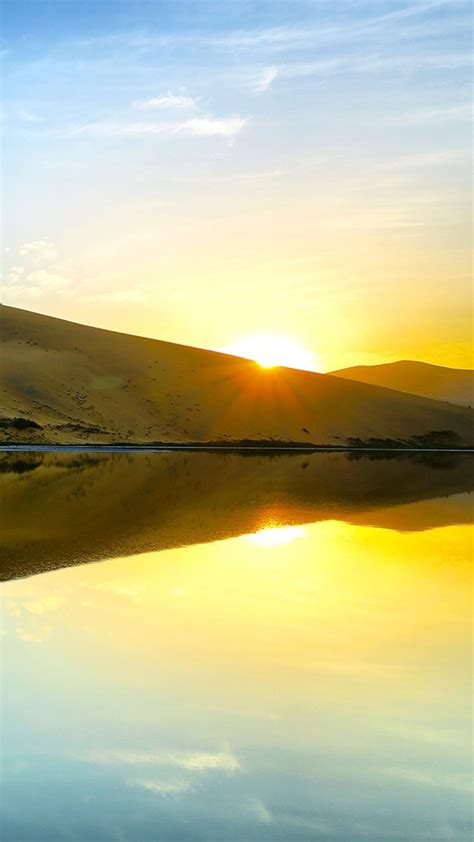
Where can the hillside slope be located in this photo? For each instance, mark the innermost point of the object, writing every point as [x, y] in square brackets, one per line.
[455, 385]
[62, 382]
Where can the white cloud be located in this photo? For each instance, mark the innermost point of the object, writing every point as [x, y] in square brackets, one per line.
[205, 126]
[39, 251]
[15, 273]
[168, 100]
[36, 284]
[209, 126]
[48, 281]
[264, 82]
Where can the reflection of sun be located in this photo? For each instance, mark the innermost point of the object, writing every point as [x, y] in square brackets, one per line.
[271, 350]
[275, 535]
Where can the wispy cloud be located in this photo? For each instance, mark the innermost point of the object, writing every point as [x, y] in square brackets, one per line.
[265, 80]
[291, 37]
[274, 38]
[205, 126]
[435, 115]
[423, 160]
[375, 63]
[168, 100]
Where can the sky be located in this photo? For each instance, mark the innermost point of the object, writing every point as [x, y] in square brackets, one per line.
[202, 172]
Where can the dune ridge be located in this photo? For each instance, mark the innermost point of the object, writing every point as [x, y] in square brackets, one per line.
[441, 383]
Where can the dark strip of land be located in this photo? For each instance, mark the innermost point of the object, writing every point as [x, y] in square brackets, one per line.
[235, 448]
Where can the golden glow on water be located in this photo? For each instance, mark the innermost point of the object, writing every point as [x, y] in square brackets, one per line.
[273, 536]
[341, 663]
[362, 588]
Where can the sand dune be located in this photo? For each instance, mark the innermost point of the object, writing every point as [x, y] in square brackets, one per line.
[455, 385]
[63, 509]
[67, 383]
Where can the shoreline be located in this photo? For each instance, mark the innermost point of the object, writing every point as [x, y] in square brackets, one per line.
[206, 448]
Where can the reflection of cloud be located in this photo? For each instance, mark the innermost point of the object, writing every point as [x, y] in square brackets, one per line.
[12, 608]
[276, 535]
[163, 788]
[461, 783]
[130, 591]
[39, 635]
[258, 809]
[201, 761]
[41, 606]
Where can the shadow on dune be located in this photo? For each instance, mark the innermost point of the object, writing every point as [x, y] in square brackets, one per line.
[59, 510]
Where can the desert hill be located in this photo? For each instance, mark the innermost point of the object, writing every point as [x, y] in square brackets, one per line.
[61, 509]
[62, 382]
[455, 385]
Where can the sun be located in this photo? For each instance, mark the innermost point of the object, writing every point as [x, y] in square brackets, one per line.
[270, 350]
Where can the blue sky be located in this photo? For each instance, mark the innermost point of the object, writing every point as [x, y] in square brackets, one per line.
[311, 157]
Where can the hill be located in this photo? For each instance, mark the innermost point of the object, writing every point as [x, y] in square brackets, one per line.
[61, 509]
[455, 385]
[63, 382]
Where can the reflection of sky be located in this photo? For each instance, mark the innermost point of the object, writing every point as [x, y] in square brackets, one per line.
[307, 688]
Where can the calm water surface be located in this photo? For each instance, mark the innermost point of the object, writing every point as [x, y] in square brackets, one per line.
[300, 670]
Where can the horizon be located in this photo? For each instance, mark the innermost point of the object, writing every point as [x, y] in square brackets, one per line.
[214, 174]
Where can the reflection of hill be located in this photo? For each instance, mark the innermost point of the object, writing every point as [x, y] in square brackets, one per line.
[64, 509]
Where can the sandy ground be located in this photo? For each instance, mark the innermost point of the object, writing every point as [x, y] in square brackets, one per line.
[83, 384]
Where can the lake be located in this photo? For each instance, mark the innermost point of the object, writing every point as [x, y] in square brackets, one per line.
[236, 648]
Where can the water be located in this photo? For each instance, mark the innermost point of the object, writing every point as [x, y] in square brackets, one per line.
[230, 648]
